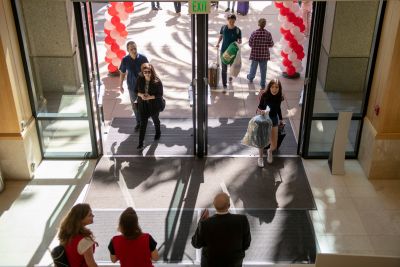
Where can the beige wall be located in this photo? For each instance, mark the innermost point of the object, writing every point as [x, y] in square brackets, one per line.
[380, 141]
[19, 143]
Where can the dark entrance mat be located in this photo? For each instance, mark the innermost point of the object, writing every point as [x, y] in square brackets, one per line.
[187, 182]
[277, 236]
[224, 137]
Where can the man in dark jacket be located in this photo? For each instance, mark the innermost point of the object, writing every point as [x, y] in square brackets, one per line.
[224, 237]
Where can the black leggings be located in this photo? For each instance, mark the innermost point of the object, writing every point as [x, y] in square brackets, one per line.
[143, 126]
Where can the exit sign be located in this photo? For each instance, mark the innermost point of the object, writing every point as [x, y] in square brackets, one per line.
[199, 6]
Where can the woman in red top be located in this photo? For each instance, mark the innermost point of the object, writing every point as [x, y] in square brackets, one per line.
[76, 238]
[133, 247]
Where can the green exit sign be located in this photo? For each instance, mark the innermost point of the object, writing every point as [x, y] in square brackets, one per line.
[199, 6]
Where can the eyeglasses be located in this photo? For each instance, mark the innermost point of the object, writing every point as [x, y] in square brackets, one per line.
[146, 72]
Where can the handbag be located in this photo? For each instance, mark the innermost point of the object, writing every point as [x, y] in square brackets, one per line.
[59, 256]
[162, 104]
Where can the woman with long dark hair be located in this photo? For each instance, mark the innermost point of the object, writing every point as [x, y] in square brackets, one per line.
[149, 90]
[78, 240]
[270, 104]
[133, 247]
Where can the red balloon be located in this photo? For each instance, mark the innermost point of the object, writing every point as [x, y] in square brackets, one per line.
[278, 5]
[128, 4]
[291, 71]
[124, 33]
[112, 11]
[286, 62]
[114, 48]
[129, 9]
[107, 32]
[112, 68]
[109, 40]
[120, 54]
[115, 21]
[283, 11]
[120, 27]
[108, 60]
[114, 4]
[284, 55]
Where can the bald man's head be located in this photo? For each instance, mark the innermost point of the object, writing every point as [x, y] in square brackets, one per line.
[221, 202]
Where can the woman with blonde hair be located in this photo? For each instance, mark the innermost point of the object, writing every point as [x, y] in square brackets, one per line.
[78, 240]
[133, 247]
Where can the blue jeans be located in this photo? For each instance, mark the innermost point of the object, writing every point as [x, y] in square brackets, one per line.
[263, 71]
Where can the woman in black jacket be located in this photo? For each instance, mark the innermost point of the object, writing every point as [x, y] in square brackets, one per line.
[270, 104]
[149, 90]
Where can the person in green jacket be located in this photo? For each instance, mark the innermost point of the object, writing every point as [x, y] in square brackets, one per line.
[229, 33]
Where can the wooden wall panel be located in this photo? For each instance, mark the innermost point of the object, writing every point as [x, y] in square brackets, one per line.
[9, 118]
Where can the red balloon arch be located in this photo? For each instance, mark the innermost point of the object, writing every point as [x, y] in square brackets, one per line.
[117, 18]
[292, 30]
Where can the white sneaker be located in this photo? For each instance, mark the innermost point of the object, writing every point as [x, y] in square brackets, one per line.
[269, 156]
[260, 162]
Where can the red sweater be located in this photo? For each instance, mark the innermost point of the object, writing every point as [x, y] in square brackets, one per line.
[133, 252]
[74, 258]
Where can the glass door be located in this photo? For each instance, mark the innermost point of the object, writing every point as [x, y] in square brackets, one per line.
[341, 58]
[90, 65]
[60, 75]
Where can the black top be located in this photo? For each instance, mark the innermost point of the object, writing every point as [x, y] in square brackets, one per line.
[224, 239]
[273, 102]
[152, 245]
[149, 107]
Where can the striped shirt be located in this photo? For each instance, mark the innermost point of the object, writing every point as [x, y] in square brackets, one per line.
[260, 41]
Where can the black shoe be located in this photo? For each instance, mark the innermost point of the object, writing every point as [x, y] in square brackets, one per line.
[139, 147]
[157, 136]
[154, 8]
[159, 8]
[230, 79]
[137, 127]
[227, 10]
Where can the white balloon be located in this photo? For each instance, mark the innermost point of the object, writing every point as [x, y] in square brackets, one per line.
[107, 16]
[287, 25]
[287, 4]
[292, 57]
[110, 54]
[287, 50]
[123, 15]
[121, 41]
[281, 18]
[116, 61]
[114, 34]
[108, 25]
[120, 7]
[295, 7]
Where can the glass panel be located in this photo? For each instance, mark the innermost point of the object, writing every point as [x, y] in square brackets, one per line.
[345, 55]
[52, 49]
[65, 136]
[323, 131]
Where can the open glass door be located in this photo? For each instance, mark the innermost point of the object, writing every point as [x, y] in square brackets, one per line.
[90, 68]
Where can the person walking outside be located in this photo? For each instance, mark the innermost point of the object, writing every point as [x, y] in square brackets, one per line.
[76, 238]
[177, 6]
[131, 64]
[155, 5]
[229, 5]
[260, 41]
[228, 34]
[270, 104]
[223, 237]
[132, 247]
[149, 90]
